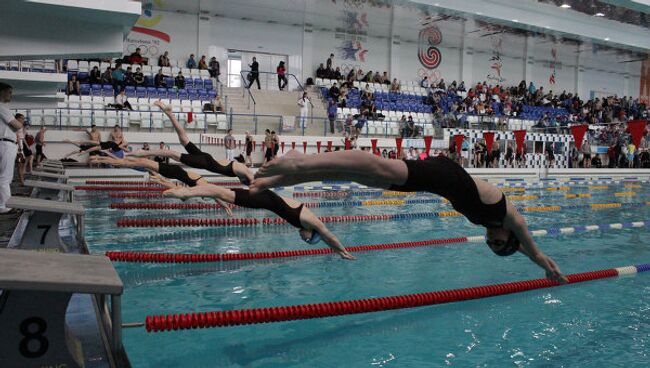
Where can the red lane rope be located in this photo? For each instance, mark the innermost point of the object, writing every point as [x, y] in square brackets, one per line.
[146, 183]
[135, 195]
[178, 206]
[124, 188]
[146, 257]
[319, 310]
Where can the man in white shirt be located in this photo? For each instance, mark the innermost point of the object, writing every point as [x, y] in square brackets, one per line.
[229, 142]
[304, 103]
[8, 148]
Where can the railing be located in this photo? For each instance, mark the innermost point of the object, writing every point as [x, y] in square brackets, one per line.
[46, 66]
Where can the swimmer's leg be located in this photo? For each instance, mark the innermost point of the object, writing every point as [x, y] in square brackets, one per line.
[175, 155]
[357, 166]
[182, 136]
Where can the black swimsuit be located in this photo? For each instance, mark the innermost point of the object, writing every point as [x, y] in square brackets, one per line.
[444, 177]
[176, 172]
[201, 160]
[268, 200]
[110, 145]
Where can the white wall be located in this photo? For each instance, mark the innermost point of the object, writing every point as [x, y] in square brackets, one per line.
[306, 48]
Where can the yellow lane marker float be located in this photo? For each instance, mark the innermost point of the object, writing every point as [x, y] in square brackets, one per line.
[542, 209]
[513, 189]
[522, 197]
[624, 194]
[379, 202]
[596, 206]
[558, 189]
[577, 195]
[632, 186]
[598, 186]
[390, 193]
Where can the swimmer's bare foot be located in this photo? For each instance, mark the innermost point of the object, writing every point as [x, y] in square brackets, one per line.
[261, 184]
[287, 164]
[136, 153]
[243, 173]
[178, 192]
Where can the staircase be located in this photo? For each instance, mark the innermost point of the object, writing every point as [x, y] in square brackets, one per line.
[276, 103]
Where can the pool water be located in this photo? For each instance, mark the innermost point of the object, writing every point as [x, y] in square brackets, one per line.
[599, 323]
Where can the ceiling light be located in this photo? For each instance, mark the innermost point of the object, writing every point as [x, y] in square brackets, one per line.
[565, 6]
[599, 14]
[606, 38]
[515, 20]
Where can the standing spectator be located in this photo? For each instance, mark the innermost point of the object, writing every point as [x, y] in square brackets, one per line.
[180, 81]
[9, 125]
[304, 103]
[138, 78]
[40, 143]
[586, 155]
[229, 143]
[268, 146]
[329, 62]
[136, 57]
[73, 86]
[163, 60]
[332, 114]
[161, 159]
[385, 79]
[95, 76]
[107, 76]
[145, 146]
[255, 73]
[249, 149]
[282, 78]
[24, 155]
[159, 80]
[191, 63]
[203, 65]
[424, 83]
[276, 143]
[320, 72]
[214, 68]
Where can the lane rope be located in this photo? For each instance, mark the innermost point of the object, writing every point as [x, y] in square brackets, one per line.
[193, 320]
[250, 221]
[149, 257]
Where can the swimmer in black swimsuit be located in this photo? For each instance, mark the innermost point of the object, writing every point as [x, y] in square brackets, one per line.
[195, 157]
[312, 230]
[91, 147]
[482, 203]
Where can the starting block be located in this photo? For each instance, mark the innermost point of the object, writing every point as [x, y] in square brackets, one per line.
[49, 175]
[42, 231]
[50, 190]
[36, 289]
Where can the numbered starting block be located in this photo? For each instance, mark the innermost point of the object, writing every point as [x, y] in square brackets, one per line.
[49, 176]
[42, 230]
[36, 289]
[53, 169]
[50, 190]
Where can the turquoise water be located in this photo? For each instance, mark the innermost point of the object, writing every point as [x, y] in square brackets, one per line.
[600, 323]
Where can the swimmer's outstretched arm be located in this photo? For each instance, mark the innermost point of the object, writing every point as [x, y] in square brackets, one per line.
[358, 166]
[175, 155]
[312, 222]
[205, 190]
[517, 223]
[82, 142]
[131, 162]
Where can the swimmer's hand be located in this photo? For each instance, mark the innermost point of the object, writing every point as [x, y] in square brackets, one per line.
[345, 255]
[553, 272]
[178, 192]
[163, 107]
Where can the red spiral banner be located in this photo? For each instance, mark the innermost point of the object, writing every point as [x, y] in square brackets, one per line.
[429, 55]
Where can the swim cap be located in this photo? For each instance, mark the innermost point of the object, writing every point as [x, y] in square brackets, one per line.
[507, 248]
[315, 237]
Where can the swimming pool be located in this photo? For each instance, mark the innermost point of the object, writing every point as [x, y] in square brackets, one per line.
[600, 323]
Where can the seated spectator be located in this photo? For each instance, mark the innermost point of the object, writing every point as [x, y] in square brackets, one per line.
[347, 126]
[367, 92]
[360, 75]
[385, 79]
[214, 68]
[163, 60]
[376, 78]
[129, 79]
[411, 128]
[145, 146]
[139, 78]
[351, 75]
[107, 76]
[395, 87]
[203, 65]
[461, 87]
[337, 74]
[215, 106]
[334, 92]
[136, 57]
[424, 83]
[121, 101]
[118, 77]
[361, 122]
[179, 81]
[442, 85]
[191, 62]
[95, 76]
[74, 87]
[320, 72]
[392, 155]
[159, 80]
[367, 78]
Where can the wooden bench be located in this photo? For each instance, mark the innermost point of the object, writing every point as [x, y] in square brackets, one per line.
[42, 231]
[50, 190]
[36, 289]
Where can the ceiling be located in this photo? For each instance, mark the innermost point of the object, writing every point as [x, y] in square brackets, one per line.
[383, 18]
